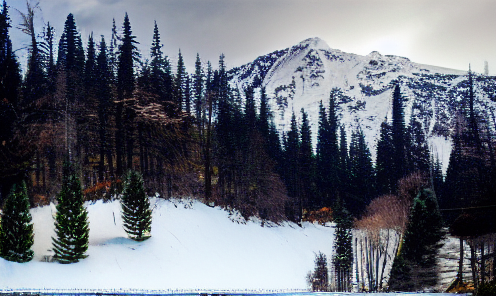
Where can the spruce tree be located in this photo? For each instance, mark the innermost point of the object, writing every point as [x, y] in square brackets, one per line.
[180, 81]
[157, 73]
[398, 132]
[124, 117]
[343, 249]
[71, 59]
[104, 97]
[414, 268]
[292, 171]
[13, 163]
[418, 154]
[362, 174]
[71, 221]
[136, 212]
[385, 178]
[320, 277]
[16, 232]
[306, 163]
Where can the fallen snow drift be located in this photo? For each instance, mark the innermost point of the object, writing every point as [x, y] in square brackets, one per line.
[193, 246]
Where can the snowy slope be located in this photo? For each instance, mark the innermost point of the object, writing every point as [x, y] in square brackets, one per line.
[193, 246]
[303, 75]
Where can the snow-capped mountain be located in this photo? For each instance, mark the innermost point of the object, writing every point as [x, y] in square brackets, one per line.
[303, 75]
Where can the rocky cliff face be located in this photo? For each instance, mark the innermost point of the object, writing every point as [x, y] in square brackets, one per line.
[303, 75]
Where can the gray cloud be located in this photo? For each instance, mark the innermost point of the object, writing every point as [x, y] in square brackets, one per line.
[445, 33]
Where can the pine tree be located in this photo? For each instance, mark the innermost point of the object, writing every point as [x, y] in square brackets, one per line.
[320, 277]
[35, 81]
[292, 171]
[362, 174]
[385, 178]
[16, 232]
[71, 58]
[136, 212]
[414, 268]
[179, 82]
[71, 220]
[14, 165]
[104, 96]
[124, 117]
[418, 154]
[306, 163]
[398, 135]
[343, 249]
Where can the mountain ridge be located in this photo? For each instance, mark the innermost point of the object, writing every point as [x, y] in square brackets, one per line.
[304, 74]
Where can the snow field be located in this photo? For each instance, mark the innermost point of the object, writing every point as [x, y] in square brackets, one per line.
[193, 246]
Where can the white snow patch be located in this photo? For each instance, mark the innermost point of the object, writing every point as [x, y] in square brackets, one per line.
[193, 246]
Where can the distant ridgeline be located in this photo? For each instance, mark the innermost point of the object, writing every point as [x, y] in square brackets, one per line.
[303, 75]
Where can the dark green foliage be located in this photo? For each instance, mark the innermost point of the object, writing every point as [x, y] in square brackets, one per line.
[424, 230]
[319, 279]
[180, 83]
[104, 97]
[12, 157]
[414, 269]
[124, 117]
[328, 157]
[71, 222]
[398, 132]
[136, 212]
[291, 175]
[343, 248]
[487, 289]
[16, 229]
[438, 179]
[362, 174]
[71, 59]
[306, 163]
[35, 81]
[385, 178]
[400, 278]
[418, 154]
[9, 68]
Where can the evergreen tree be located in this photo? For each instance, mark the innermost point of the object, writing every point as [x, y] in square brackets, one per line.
[398, 135]
[136, 212]
[292, 171]
[157, 63]
[418, 154]
[35, 80]
[362, 174]
[104, 96]
[437, 178]
[385, 178]
[414, 268]
[124, 117]
[198, 89]
[16, 232]
[306, 163]
[343, 248]
[71, 220]
[180, 81]
[13, 166]
[113, 48]
[344, 170]
[71, 59]
[320, 277]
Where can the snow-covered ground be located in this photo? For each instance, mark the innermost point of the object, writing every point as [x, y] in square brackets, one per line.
[193, 246]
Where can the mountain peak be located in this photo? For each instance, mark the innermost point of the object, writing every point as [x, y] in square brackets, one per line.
[316, 43]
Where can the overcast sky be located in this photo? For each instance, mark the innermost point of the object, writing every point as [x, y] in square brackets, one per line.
[447, 33]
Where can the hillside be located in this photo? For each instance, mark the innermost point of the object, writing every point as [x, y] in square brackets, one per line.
[303, 75]
[193, 246]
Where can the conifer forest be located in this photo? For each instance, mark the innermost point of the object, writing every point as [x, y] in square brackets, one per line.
[84, 122]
